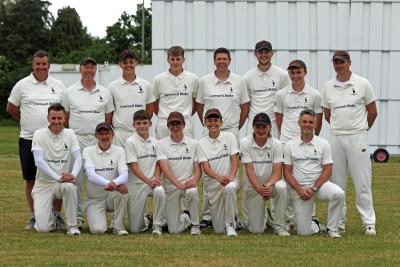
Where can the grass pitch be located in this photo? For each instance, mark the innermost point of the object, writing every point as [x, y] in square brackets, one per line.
[19, 247]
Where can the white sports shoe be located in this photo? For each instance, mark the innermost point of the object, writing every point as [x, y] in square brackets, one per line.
[334, 234]
[195, 230]
[370, 230]
[281, 231]
[73, 230]
[185, 218]
[120, 232]
[157, 230]
[230, 230]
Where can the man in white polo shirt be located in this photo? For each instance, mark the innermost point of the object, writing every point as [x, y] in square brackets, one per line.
[289, 102]
[262, 156]
[263, 81]
[87, 104]
[307, 169]
[175, 90]
[177, 156]
[27, 104]
[219, 159]
[349, 107]
[105, 167]
[130, 93]
[144, 176]
[58, 161]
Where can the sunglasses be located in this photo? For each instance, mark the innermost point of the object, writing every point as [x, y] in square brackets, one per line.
[175, 123]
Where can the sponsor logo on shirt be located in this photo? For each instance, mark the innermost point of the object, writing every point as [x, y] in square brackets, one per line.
[345, 106]
[313, 158]
[89, 111]
[131, 106]
[183, 93]
[219, 157]
[264, 90]
[221, 95]
[58, 161]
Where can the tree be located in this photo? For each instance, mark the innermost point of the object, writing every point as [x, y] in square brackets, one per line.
[126, 33]
[67, 32]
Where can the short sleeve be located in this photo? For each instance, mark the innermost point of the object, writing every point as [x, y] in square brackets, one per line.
[277, 151]
[36, 144]
[149, 93]
[244, 94]
[245, 152]
[201, 155]
[130, 151]
[160, 150]
[155, 88]
[288, 154]
[64, 100]
[195, 86]
[74, 141]
[16, 94]
[369, 93]
[233, 144]
[278, 107]
[326, 154]
[110, 103]
[201, 91]
[317, 102]
[122, 160]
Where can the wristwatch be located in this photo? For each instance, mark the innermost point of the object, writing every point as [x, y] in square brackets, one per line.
[314, 188]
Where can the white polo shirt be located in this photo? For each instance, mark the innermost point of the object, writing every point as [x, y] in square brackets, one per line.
[175, 93]
[347, 104]
[290, 103]
[57, 152]
[108, 164]
[217, 152]
[128, 98]
[307, 159]
[144, 153]
[33, 99]
[227, 96]
[86, 109]
[263, 158]
[262, 87]
[180, 156]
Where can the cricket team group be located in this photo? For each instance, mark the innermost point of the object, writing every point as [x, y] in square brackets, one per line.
[102, 136]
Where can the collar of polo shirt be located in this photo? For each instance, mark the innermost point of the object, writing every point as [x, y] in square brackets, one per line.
[218, 139]
[141, 139]
[34, 81]
[98, 149]
[267, 144]
[171, 142]
[312, 142]
[267, 73]
[217, 81]
[123, 81]
[305, 89]
[346, 83]
[173, 77]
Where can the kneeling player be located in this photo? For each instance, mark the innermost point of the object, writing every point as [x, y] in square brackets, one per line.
[262, 156]
[307, 167]
[55, 150]
[144, 176]
[105, 167]
[218, 155]
[177, 157]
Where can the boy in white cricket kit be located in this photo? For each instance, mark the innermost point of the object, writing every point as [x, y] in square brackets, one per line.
[350, 108]
[130, 93]
[262, 156]
[144, 176]
[107, 172]
[218, 156]
[175, 90]
[58, 160]
[307, 168]
[177, 156]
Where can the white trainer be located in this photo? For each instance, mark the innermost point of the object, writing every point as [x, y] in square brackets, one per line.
[120, 232]
[281, 231]
[334, 234]
[230, 230]
[370, 230]
[157, 230]
[195, 230]
[73, 230]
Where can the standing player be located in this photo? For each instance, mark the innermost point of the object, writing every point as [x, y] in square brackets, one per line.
[218, 156]
[349, 107]
[58, 161]
[289, 102]
[105, 167]
[262, 156]
[27, 104]
[175, 90]
[307, 168]
[177, 157]
[263, 81]
[144, 176]
[87, 104]
[130, 93]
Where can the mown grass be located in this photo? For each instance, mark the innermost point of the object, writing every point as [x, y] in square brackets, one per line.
[25, 248]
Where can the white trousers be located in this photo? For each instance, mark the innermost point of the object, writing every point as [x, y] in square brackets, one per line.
[163, 131]
[303, 209]
[223, 205]
[351, 152]
[97, 211]
[43, 196]
[257, 206]
[120, 136]
[137, 198]
[173, 208]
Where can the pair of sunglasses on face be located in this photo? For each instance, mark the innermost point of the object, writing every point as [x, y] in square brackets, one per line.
[175, 124]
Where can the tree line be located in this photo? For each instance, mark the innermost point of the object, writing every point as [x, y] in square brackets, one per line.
[27, 26]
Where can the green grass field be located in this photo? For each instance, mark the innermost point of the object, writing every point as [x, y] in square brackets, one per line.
[19, 247]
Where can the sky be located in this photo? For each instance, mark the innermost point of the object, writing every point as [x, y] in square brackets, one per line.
[97, 15]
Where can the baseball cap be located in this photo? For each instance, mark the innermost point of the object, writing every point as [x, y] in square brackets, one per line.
[261, 119]
[297, 64]
[126, 53]
[175, 116]
[341, 55]
[87, 60]
[263, 45]
[104, 126]
[213, 112]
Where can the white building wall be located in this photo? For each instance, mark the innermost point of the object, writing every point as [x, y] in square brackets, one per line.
[308, 30]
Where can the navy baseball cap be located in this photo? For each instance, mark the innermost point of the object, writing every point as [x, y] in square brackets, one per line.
[88, 60]
[297, 64]
[127, 53]
[261, 119]
[213, 112]
[263, 45]
[175, 116]
[104, 126]
[341, 55]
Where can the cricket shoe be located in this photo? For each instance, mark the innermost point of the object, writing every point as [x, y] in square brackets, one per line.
[73, 230]
[281, 231]
[195, 230]
[370, 230]
[31, 224]
[120, 232]
[230, 230]
[206, 224]
[333, 234]
[157, 230]
[60, 224]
